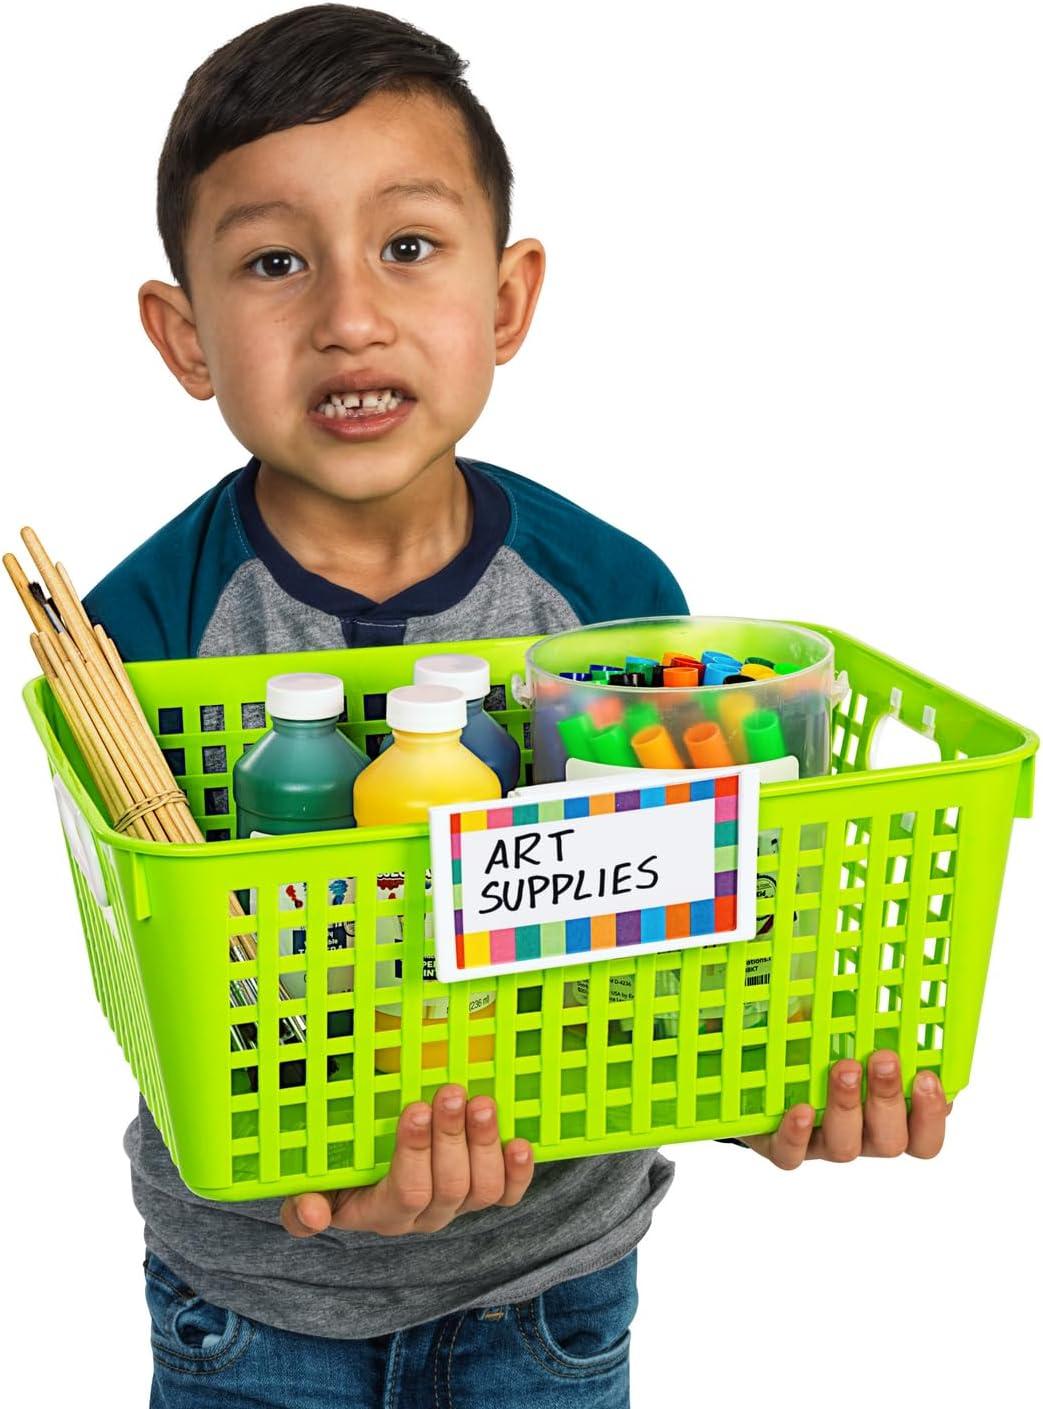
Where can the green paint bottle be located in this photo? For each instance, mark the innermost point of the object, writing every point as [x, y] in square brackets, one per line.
[300, 777]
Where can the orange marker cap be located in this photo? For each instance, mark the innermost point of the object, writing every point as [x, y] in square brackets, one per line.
[706, 746]
[655, 748]
[678, 675]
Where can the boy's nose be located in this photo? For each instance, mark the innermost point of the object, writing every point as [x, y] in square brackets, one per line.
[351, 309]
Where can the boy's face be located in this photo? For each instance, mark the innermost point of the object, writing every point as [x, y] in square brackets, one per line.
[401, 288]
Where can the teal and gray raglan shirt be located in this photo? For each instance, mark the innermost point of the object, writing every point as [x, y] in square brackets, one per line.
[214, 581]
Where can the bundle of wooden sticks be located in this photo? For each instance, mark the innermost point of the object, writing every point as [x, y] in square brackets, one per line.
[93, 689]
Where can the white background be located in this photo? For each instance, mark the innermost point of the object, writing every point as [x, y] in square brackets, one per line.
[790, 337]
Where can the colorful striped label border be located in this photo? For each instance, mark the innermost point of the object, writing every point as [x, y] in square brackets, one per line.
[620, 930]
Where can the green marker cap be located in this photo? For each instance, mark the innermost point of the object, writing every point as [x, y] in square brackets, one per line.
[577, 734]
[612, 746]
[785, 668]
[759, 660]
[764, 736]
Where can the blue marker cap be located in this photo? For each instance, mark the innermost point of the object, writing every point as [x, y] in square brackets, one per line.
[575, 675]
[709, 657]
[717, 671]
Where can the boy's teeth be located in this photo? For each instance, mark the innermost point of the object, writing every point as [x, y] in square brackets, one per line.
[341, 404]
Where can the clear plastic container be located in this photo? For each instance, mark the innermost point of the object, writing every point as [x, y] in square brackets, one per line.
[673, 726]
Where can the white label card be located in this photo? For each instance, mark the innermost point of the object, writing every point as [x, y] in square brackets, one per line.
[595, 869]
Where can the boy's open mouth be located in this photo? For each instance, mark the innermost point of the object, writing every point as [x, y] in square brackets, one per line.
[357, 405]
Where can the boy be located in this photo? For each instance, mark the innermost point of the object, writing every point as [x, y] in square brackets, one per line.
[335, 208]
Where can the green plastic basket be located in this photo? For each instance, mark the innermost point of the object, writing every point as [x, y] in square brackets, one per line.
[905, 866]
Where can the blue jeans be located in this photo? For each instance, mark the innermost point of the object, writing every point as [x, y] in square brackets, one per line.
[567, 1347]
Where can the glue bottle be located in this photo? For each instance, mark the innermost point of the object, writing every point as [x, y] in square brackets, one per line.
[425, 766]
[486, 739]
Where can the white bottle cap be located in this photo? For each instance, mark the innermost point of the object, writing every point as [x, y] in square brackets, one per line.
[426, 709]
[304, 695]
[467, 673]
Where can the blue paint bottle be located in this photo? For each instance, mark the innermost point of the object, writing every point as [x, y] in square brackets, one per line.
[482, 735]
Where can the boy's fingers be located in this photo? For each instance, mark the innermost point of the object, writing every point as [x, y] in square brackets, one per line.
[483, 1144]
[450, 1160]
[927, 1118]
[304, 1215]
[788, 1146]
[886, 1124]
[518, 1168]
[839, 1138]
[392, 1206]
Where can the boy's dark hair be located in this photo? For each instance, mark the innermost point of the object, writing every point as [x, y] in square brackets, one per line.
[312, 65]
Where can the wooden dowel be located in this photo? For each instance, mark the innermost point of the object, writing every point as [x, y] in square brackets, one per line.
[95, 765]
[38, 616]
[79, 610]
[71, 617]
[130, 733]
[102, 723]
[80, 722]
[184, 823]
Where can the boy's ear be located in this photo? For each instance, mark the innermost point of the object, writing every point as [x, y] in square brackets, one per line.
[521, 277]
[166, 316]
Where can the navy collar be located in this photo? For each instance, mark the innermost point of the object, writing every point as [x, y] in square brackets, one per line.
[490, 523]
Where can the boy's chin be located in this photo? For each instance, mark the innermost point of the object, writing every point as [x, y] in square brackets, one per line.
[357, 478]
[360, 484]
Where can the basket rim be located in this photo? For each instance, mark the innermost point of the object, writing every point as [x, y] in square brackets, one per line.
[104, 832]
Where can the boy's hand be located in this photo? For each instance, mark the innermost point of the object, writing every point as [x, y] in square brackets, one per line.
[883, 1128]
[447, 1163]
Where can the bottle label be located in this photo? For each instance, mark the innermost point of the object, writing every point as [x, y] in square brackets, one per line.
[339, 935]
[391, 886]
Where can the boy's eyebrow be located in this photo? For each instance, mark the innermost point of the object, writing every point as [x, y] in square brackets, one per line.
[249, 212]
[431, 190]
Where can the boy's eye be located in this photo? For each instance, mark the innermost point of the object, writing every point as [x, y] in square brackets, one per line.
[276, 262]
[407, 248]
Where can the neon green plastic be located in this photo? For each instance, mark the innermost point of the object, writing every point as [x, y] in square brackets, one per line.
[910, 862]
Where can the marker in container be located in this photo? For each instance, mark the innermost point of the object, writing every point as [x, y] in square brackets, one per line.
[600, 673]
[739, 679]
[672, 658]
[575, 674]
[613, 746]
[655, 748]
[786, 668]
[605, 711]
[763, 734]
[759, 660]
[680, 676]
[577, 734]
[642, 714]
[706, 746]
[631, 679]
[716, 671]
[757, 672]
[657, 677]
[805, 727]
[643, 664]
[709, 656]
[732, 708]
